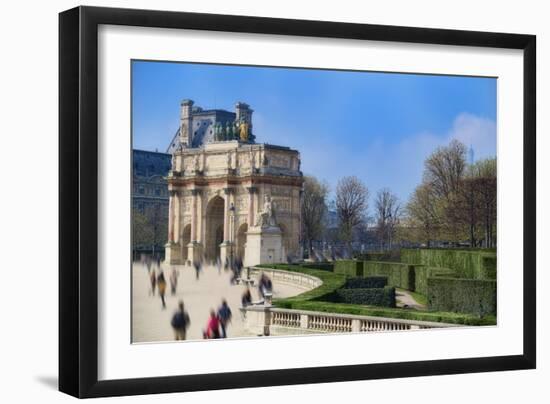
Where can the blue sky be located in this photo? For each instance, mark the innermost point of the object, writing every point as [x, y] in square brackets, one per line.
[377, 126]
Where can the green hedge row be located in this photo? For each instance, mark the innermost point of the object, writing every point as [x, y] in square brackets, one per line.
[468, 264]
[473, 296]
[366, 283]
[349, 267]
[325, 266]
[383, 297]
[391, 256]
[489, 264]
[422, 273]
[399, 275]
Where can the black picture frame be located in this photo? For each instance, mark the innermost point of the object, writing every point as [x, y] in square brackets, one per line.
[78, 196]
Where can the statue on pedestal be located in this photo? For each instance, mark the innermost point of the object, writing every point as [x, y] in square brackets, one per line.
[219, 134]
[266, 218]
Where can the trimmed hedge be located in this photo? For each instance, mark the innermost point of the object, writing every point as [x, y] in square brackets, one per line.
[489, 264]
[422, 273]
[366, 283]
[468, 264]
[391, 256]
[473, 296]
[384, 297]
[325, 266]
[349, 267]
[399, 275]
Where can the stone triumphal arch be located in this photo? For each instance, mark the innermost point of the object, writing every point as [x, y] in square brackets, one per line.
[232, 197]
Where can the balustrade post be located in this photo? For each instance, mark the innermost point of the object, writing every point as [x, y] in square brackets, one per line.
[303, 321]
[355, 325]
[267, 321]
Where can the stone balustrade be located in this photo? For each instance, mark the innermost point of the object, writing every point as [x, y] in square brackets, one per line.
[303, 281]
[269, 320]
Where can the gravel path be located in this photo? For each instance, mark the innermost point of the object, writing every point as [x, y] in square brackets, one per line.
[151, 323]
[403, 298]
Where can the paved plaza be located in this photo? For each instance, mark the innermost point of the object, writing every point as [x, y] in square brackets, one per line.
[151, 323]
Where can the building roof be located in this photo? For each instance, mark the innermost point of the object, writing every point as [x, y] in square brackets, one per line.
[148, 163]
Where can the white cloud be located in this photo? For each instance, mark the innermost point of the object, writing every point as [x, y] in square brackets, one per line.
[475, 131]
[472, 130]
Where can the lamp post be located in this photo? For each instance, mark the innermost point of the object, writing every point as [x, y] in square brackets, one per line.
[390, 228]
[231, 231]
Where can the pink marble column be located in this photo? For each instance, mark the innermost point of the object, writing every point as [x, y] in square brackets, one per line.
[177, 217]
[227, 204]
[171, 216]
[195, 193]
[251, 206]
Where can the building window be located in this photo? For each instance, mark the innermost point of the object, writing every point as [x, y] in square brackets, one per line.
[157, 192]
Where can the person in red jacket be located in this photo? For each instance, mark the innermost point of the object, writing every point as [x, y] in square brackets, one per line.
[212, 327]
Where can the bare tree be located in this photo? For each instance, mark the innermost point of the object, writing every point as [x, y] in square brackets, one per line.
[141, 231]
[472, 207]
[445, 167]
[351, 205]
[314, 209]
[423, 210]
[150, 227]
[388, 210]
[485, 173]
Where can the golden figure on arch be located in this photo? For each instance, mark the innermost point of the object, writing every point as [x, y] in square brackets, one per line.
[243, 131]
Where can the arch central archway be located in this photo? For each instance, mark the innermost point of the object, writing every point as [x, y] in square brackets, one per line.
[214, 228]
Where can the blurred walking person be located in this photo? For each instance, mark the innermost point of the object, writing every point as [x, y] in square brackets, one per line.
[212, 327]
[153, 279]
[173, 281]
[180, 322]
[224, 317]
[246, 299]
[161, 282]
[264, 285]
[148, 263]
[197, 265]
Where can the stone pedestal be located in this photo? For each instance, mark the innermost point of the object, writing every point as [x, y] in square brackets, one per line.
[172, 254]
[194, 252]
[264, 245]
[226, 249]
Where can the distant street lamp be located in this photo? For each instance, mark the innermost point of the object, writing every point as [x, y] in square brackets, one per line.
[231, 230]
[390, 228]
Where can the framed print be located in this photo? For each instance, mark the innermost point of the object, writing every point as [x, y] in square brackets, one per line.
[251, 201]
